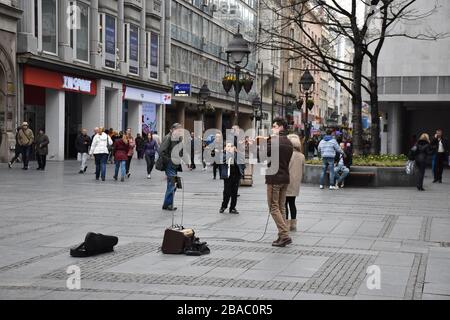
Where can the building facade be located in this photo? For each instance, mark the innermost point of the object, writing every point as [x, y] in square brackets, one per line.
[9, 14]
[414, 80]
[91, 63]
[200, 33]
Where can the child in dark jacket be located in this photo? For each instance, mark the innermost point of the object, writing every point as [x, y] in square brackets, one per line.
[231, 173]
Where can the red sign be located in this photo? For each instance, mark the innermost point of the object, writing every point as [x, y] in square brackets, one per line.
[54, 80]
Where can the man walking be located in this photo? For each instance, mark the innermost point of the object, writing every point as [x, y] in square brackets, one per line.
[82, 145]
[328, 148]
[17, 149]
[277, 183]
[168, 144]
[26, 138]
[441, 146]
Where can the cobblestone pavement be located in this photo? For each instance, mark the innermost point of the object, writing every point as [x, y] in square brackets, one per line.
[341, 233]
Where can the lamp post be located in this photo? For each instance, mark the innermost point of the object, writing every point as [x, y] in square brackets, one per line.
[307, 88]
[203, 97]
[237, 52]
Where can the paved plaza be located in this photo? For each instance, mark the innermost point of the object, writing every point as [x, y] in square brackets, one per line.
[341, 233]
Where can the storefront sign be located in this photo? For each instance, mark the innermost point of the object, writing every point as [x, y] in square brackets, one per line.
[140, 95]
[76, 84]
[53, 80]
[182, 90]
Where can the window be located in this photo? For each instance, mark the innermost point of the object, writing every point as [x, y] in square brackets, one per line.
[46, 21]
[133, 52]
[108, 36]
[79, 34]
[154, 55]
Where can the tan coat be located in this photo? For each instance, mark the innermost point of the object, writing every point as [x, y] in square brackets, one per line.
[296, 168]
[26, 138]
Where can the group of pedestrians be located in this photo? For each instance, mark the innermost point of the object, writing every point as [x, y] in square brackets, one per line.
[438, 147]
[25, 142]
[336, 158]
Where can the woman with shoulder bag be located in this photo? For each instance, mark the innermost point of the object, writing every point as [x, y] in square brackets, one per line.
[121, 148]
[420, 153]
[99, 149]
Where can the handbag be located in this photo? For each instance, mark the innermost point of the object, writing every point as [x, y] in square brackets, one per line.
[160, 164]
[409, 168]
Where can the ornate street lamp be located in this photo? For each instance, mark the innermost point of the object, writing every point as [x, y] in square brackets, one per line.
[307, 85]
[237, 58]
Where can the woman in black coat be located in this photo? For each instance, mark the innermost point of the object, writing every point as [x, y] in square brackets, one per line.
[420, 153]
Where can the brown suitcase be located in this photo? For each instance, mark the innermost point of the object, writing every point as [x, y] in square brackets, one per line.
[176, 240]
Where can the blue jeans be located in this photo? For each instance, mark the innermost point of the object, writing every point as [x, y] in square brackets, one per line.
[100, 164]
[341, 177]
[171, 173]
[122, 164]
[325, 163]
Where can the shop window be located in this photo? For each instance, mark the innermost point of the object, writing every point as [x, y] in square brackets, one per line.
[46, 22]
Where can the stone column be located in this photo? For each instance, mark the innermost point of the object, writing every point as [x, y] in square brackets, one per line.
[65, 52]
[395, 128]
[54, 123]
[96, 58]
[218, 119]
[120, 35]
[26, 41]
[181, 110]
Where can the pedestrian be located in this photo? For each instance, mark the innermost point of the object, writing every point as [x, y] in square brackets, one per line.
[17, 150]
[192, 164]
[327, 149]
[231, 172]
[277, 183]
[420, 153]
[150, 149]
[120, 150]
[82, 145]
[296, 169]
[341, 171]
[217, 149]
[99, 149]
[41, 142]
[96, 129]
[172, 139]
[140, 142]
[131, 146]
[26, 139]
[441, 147]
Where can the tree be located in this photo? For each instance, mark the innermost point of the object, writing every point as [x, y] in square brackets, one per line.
[341, 21]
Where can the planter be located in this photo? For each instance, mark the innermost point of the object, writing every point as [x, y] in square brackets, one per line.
[383, 177]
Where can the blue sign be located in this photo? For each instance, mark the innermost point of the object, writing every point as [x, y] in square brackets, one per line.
[110, 42]
[182, 90]
[134, 49]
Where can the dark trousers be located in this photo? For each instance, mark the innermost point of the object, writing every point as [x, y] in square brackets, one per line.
[215, 168]
[290, 207]
[42, 160]
[129, 163]
[100, 165]
[230, 191]
[140, 154]
[440, 161]
[26, 152]
[150, 163]
[421, 166]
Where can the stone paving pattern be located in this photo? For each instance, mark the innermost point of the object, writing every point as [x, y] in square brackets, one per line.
[341, 233]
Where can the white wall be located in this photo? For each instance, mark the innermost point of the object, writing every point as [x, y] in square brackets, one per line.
[55, 123]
